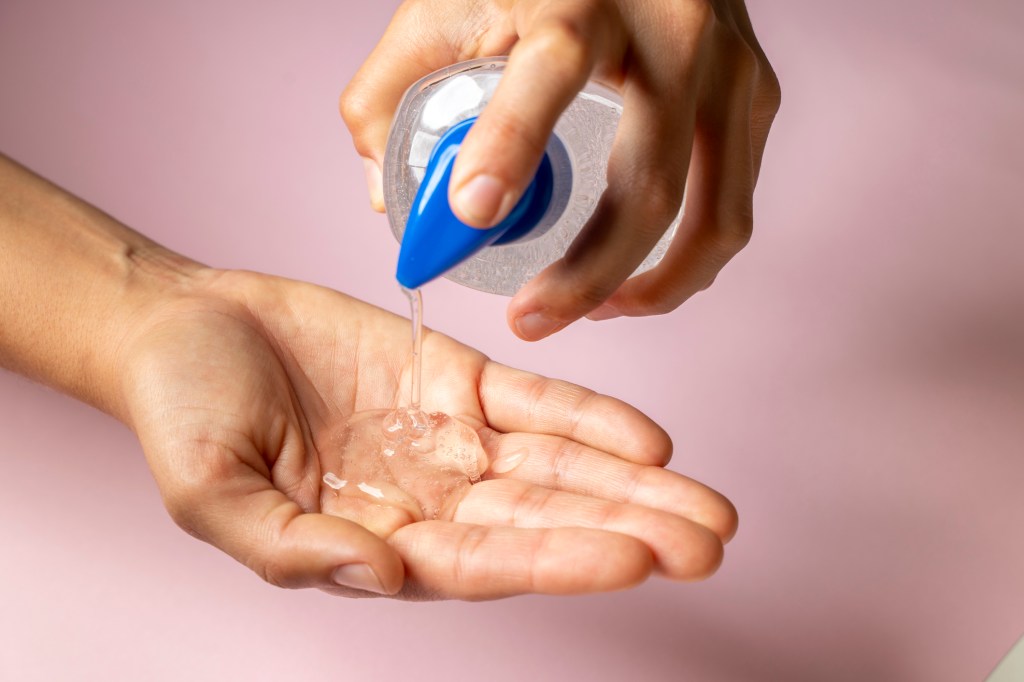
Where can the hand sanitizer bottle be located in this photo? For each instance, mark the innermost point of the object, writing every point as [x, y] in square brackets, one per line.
[432, 120]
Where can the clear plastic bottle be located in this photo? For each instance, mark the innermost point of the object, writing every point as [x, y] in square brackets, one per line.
[577, 151]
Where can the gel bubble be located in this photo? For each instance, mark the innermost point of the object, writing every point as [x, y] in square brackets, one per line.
[395, 467]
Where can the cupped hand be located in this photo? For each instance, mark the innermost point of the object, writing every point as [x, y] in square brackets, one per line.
[234, 388]
[699, 99]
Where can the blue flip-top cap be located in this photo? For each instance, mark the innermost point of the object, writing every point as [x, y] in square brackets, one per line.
[435, 241]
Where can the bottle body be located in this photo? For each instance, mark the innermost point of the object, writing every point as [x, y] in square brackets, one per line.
[578, 151]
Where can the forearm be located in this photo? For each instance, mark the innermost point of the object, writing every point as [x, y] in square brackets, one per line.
[72, 281]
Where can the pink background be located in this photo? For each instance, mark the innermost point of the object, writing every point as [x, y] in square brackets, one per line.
[854, 380]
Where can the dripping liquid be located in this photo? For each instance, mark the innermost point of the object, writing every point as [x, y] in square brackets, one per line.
[416, 315]
[400, 465]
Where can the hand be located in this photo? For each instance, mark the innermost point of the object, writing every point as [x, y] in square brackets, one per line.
[232, 385]
[699, 99]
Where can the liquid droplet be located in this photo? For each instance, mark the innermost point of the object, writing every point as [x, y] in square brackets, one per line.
[370, 490]
[507, 463]
[332, 481]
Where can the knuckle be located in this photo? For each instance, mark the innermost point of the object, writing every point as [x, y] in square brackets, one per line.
[723, 242]
[727, 230]
[739, 57]
[663, 197]
[690, 27]
[531, 504]
[543, 393]
[565, 463]
[273, 573]
[745, 60]
[768, 90]
[654, 300]
[181, 508]
[588, 400]
[589, 290]
[184, 499]
[356, 109]
[585, 283]
[564, 47]
[635, 479]
[467, 553]
[536, 392]
[660, 305]
[734, 233]
[269, 559]
[358, 113]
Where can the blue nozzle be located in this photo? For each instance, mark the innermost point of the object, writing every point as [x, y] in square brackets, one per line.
[435, 241]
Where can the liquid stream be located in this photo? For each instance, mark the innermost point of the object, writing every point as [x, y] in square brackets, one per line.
[416, 315]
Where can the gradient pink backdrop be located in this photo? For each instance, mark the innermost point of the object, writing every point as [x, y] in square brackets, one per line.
[854, 380]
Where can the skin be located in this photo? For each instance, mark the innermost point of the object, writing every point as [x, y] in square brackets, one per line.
[699, 99]
[231, 381]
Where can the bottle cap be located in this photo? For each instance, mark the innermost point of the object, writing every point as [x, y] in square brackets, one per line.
[435, 241]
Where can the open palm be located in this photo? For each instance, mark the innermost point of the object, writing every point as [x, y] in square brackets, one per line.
[234, 392]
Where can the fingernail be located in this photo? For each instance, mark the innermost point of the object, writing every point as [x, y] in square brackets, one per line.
[374, 183]
[358, 576]
[534, 326]
[481, 199]
[603, 312]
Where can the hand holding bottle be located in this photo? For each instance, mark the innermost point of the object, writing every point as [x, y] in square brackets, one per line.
[699, 98]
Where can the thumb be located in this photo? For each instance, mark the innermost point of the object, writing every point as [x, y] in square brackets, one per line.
[240, 512]
[560, 44]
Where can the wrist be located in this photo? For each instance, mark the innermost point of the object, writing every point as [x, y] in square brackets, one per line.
[74, 282]
[152, 282]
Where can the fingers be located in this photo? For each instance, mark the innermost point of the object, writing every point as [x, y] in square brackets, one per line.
[682, 549]
[718, 219]
[413, 46]
[465, 561]
[514, 400]
[236, 509]
[647, 176]
[559, 46]
[562, 464]
[767, 96]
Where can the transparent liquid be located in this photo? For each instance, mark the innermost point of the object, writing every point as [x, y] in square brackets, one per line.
[398, 466]
[416, 315]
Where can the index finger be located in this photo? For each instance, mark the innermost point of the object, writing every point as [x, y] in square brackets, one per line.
[559, 46]
[415, 43]
[514, 400]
